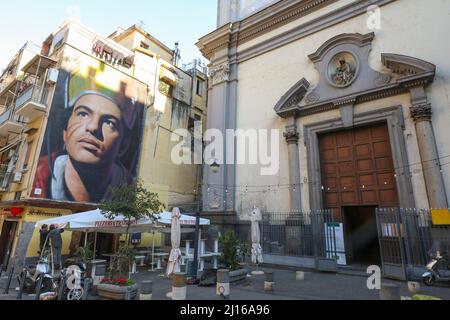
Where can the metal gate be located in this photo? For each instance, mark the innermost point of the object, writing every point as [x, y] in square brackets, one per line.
[299, 237]
[391, 237]
[407, 238]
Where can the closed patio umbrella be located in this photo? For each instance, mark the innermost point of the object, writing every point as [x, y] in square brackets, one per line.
[175, 254]
[257, 256]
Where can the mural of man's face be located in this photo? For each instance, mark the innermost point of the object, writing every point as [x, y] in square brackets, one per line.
[94, 130]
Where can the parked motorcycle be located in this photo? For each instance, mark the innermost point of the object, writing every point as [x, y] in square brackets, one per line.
[33, 274]
[438, 269]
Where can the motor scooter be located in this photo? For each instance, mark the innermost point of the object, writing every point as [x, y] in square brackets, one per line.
[438, 269]
[31, 276]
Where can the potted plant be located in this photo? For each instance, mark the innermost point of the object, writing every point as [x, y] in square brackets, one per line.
[133, 202]
[118, 286]
[234, 252]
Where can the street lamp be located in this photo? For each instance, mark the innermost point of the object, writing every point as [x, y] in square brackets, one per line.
[215, 167]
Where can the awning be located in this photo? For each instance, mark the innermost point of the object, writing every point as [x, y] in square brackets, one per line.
[95, 221]
[40, 61]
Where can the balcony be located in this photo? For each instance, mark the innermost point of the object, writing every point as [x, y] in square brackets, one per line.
[32, 103]
[10, 124]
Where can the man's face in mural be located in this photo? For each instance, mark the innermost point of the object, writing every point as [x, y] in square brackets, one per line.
[94, 130]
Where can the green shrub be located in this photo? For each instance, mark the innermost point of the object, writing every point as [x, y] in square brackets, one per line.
[233, 251]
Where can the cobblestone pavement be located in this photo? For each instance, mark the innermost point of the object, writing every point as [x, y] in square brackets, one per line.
[316, 286]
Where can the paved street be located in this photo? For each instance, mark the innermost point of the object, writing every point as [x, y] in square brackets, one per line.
[316, 286]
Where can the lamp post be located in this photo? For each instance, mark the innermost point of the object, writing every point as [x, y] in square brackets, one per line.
[215, 167]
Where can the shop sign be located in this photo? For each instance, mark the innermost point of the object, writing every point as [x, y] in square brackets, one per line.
[13, 212]
[35, 212]
[440, 217]
[111, 56]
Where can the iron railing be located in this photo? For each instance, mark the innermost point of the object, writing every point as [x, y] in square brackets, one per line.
[299, 234]
[34, 93]
[409, 237]
[5, 179]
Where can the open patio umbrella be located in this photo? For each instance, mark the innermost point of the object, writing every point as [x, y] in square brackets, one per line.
[175, 254]
[257, 257]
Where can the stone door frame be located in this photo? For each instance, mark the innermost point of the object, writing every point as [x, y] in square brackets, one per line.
[395, 121]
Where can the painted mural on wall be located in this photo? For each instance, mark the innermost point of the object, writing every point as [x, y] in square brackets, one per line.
[92, 140]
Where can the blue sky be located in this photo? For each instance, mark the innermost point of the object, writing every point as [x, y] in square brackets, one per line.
[169, 21]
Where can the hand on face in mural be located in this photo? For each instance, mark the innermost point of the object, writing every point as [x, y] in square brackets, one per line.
[94, 131]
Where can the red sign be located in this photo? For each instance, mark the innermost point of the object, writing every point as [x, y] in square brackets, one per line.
[15, 212]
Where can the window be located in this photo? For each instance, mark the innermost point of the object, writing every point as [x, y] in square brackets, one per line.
[144, 45]
[18, 195]
[199, 87]
[27, 152]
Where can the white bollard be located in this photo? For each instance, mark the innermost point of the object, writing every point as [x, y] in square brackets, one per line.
[269, 281]
[179, 286]
[300, 276]
[146, 292]
[223, 284]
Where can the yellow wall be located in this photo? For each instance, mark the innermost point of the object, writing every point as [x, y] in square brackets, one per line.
[34, 244]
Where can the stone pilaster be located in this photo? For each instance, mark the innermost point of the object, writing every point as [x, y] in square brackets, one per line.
[421, 112]
[292, 136]
[219, 192]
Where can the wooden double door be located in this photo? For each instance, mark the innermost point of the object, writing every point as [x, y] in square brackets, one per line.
[358, 176]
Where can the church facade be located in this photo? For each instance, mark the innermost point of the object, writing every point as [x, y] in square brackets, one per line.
[359, 90]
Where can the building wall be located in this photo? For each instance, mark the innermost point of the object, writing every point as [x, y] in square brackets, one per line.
[263, 80]
[176, 185]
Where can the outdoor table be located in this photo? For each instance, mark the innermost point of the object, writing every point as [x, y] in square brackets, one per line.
[159, 257]
[215, 256]
[203, 257]
[141, 259]
[188, 255]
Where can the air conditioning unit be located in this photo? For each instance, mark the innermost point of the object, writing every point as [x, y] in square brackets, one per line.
[52, 76]
[18, 177]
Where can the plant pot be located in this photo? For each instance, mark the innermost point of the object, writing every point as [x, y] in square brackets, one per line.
[114, 292]
[238, 275]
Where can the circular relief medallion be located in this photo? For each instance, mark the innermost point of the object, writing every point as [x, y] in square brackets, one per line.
[343, 69]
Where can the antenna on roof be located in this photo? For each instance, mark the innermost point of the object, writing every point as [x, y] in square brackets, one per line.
[141, 24]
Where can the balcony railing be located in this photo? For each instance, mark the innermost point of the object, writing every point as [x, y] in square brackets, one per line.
[5, 116]
[10, 123]
[5, 179]
[34, 93]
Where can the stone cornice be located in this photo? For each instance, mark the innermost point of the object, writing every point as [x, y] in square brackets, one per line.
[292, 97]
[264, 21]
[355, 38]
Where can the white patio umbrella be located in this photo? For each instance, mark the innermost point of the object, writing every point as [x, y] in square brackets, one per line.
[257, 256]
[175, 254]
